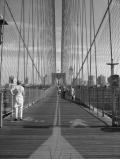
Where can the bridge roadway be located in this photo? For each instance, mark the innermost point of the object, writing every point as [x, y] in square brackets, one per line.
[54, 128]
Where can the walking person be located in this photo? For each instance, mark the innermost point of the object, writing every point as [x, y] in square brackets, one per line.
[73, 93]
[63, 92]
[18, 91]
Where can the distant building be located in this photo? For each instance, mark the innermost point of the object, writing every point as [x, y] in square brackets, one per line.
[101, 80]
[11, 79]
[26, 80]
[91, 81]
[114, 81]
[78, 81]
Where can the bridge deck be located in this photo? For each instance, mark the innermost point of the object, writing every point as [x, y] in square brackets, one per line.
[54, 128]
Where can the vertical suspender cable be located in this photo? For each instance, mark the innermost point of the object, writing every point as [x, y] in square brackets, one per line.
[111, 52]
[72, 35]
[77, 59]
[89, 78]
[33, 41]
[62, 36]
[19, 46]
[86, 36]
[23, 5]
[1, 61]
[42, 27]
[28, 40]
[80, 31]
[74, 40]
[82, 13]
[36, 38]
[82, 37]
[38, 31]
[1, 53]
[90, 38]
[21, 37]
[92, 14]
[54, 36]
[95, 37]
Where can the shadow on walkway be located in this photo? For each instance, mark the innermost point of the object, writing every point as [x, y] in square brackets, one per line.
[111, 129]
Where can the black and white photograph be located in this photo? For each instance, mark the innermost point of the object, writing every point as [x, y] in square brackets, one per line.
[59, 79]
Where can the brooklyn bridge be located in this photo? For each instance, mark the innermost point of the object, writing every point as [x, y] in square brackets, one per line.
[59, 79]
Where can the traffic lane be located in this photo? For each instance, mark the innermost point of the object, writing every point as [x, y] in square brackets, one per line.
[89, 136]
[22, 139]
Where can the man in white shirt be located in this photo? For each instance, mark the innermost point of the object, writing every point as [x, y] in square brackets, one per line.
[19, 93]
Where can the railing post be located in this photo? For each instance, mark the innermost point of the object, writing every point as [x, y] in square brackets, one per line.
[114, 83]
[1, 109]
[12, 106]
[114, 108]
[103, 93]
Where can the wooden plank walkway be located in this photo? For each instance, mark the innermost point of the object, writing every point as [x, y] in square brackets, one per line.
[54, 128]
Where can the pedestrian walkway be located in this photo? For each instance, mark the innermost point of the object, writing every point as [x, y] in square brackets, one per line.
[99, 114]
[54, 128]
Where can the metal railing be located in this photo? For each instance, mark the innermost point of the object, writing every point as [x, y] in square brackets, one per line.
[99, 98]
[32, 95]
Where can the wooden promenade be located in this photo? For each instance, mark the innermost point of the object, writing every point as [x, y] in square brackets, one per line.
[54, 128]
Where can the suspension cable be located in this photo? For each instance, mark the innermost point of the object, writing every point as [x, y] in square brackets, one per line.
[22, 38]
[82, 35]
[111, 52]
[19, 46]
[86, 34]
[95, 41]
[28, 39]
[90, 39]
[1, 53]
[94, 38]
[23, 5]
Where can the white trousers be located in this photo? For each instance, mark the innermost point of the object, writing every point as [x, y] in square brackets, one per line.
[73, 97]
[18, 112]
[19, 107]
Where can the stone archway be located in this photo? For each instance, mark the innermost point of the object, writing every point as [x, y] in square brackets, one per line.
[59, 78]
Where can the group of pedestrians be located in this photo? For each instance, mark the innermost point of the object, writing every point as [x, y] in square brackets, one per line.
[62, 90]
[17, 90]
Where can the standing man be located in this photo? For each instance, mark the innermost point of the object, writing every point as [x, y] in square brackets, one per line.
[19, 93]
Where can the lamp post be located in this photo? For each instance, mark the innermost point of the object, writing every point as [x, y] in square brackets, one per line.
[2, 23]
[114, 84]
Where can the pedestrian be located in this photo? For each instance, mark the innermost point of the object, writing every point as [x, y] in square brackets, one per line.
[63, 92]
[18, 91]
[73, 93]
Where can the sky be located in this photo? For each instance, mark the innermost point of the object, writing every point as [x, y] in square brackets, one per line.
[99, 5]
